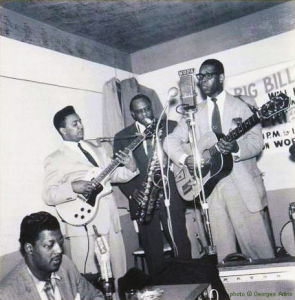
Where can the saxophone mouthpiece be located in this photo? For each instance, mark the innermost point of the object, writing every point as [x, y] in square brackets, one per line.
[148, 121]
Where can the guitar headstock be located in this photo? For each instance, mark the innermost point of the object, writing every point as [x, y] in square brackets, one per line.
[278, 103]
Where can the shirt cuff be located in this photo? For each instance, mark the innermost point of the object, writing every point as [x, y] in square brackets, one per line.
[236, 155]
[71, 195]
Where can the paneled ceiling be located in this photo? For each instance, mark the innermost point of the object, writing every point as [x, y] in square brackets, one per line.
[134, 25]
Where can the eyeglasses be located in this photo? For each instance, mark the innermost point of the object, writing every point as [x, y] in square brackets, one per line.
[201, 76]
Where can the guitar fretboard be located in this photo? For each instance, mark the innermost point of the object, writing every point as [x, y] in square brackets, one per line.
[238, 131]
[242, 128]
[114, 163]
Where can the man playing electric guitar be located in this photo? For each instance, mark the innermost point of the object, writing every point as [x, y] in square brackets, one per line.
[237, 202]
[65, 173]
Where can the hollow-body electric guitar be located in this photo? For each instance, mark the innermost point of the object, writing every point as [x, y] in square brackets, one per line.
[82, 210]
[221, 165]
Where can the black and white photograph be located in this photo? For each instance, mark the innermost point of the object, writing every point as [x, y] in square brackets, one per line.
[147, 149]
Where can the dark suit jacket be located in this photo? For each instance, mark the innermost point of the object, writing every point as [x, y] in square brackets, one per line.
[141, 161]
[19, 285]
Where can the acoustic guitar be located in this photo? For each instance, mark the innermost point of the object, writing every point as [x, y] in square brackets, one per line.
[221, 165]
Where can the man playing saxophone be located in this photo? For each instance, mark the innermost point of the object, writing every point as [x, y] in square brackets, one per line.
[144, 188]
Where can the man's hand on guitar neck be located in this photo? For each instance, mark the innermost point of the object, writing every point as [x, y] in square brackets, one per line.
[227, 147]
[125, 157]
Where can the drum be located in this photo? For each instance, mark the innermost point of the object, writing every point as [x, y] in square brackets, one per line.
[287, 237]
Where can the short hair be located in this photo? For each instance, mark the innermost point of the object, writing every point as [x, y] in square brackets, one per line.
[33, 224]
[216, 63]
[60, 117]
[139, 96]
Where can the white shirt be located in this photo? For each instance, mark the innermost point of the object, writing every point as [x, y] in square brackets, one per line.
[40, 286]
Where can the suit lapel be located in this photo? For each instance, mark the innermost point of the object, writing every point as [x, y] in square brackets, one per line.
[202, 118]
[65, 293]
[79, 158]
[26, 285]
[73, 155]
[95, 153]
[229, 108]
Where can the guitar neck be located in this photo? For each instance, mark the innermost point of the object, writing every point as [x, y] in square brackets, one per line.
[242, 128]
[114, 163]
[239, 131]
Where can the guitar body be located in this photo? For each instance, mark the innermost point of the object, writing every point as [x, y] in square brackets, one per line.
[83, 210]
[189, 188]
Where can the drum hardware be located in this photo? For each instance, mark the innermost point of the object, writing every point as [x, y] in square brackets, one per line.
[287, 234]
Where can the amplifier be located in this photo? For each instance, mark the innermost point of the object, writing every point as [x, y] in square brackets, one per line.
[262, 279]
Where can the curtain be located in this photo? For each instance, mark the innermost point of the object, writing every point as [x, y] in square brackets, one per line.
[130, 88]
[112, 115]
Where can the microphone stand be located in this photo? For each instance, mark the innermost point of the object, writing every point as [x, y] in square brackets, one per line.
[160, 154]
[191, 122]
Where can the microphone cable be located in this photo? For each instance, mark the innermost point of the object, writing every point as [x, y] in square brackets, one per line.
[88, 247]
[166, 189]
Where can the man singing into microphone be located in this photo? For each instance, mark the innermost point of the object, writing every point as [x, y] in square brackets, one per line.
[150, 233]
[237, 204]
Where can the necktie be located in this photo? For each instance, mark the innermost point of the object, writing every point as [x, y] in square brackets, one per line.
[149, 147]
[48, 289]
[88, 155]
[216, 120]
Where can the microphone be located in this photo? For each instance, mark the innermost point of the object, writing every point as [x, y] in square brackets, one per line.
[102, 252]
[187, 86]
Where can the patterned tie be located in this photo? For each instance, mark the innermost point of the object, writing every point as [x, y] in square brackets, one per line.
[48, 289]
[216, 120]
[88, 155]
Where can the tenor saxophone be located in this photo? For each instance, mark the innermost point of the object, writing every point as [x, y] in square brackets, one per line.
[152, 189]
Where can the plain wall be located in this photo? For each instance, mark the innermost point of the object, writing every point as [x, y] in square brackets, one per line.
[19, 27]
[34, 84]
